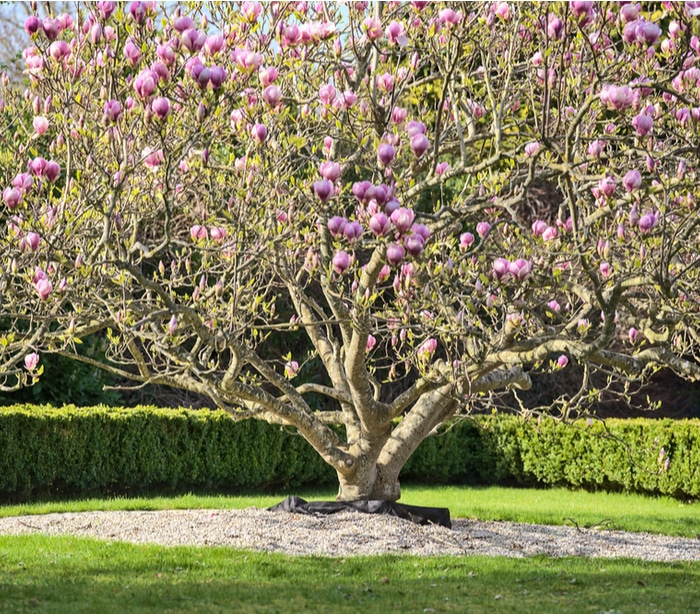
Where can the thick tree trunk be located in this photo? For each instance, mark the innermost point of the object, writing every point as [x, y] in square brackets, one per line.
[369, 482]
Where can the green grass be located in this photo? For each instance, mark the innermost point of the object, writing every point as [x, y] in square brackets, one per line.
[62, 574]
[544, 506]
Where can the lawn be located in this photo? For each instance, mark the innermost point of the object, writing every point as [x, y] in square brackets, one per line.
[65, 574]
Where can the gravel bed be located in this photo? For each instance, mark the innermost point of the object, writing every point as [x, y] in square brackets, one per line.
[351, 533]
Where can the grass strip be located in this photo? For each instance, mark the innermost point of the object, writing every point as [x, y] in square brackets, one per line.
[66, 574]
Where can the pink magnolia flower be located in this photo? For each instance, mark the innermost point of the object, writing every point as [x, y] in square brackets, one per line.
[352, 231]
[379, 224]
[385, 154]
[402, 219]
[327, 94]
[520, 269]
[272, 95]
[605, 269]
[414, 128]
[330, 170]
[43, 287]
[31, 361]
[607, 186]
[450, 18]
[372, 28]
[395, 253]
[554, 306]
[427, 348]
[323, 189]
[173, 326]
[539, 227]
[198, 233]
[419, 144]
[482, 228]
[501, 268]
[161, 107]
[32, 25]
[259, 133]
[291, 368]
[267, 75]
[414, 244]
[112, 109]
[647, 222]
[11, 197]
[633, 335]
[502, 10]
[617, 98]
[632, 180]
[396, 34]
[371, 342]
[562, 361]
[466, 239]
[532, 148]
[341, 262]
[132, 52]
[41, 124]
[642, 124]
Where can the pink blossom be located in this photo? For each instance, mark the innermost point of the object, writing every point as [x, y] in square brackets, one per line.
[501, 268]
[607, 186]
[41, 124]
[32, 25]
[323, 189]
[372, 28]
[161, 107]
[371, 342]
[352, 231]
[422, 230]
[31, 361]
[539, 227]
[466, 239]
[414, 128]
[419, 145]
[379, 224]
[632, 180]
[396, 34]
[442, 168]
[145, 82]
[605, 269]
[395, 253]
[617, 98]
[647, 222]
[330, 170]
[43, 287]
[11, 197]
[112, 110]
[173, 326]
[520, 269]
[532, 148]
[550, 233]
[554, 306]
[291, 368]
[427, 348]
[482, 229]
[642, 124]
[341, 262]
[198, 233]
[385, 154]
[132, 52]
[402, 219]
[272, 95]
[562, 361]
[633, 335]
[259, 133]
[449, 18]
[414, 244]
[327, 94]
[217, 234]
[502, 10]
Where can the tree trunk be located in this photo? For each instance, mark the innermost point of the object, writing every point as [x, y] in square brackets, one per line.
[369, 482]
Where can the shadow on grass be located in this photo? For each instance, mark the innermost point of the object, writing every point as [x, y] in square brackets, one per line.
[79, 575]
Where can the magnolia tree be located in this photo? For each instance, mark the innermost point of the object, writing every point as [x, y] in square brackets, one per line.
[199, 183]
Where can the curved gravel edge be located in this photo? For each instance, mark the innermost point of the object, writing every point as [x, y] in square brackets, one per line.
[351, 534]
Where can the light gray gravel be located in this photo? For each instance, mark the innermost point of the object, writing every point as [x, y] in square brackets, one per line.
[351, 533]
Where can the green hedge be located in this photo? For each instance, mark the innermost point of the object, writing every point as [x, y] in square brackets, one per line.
[48, 452]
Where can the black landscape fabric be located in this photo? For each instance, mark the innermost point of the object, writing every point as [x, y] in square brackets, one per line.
[414, 513]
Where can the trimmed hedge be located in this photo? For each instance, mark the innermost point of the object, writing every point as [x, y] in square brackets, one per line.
[58, 452]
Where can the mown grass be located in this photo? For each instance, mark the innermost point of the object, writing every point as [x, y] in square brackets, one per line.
[64, 574]
[544, 506]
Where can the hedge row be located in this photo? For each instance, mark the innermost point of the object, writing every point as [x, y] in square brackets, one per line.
[58, 452]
